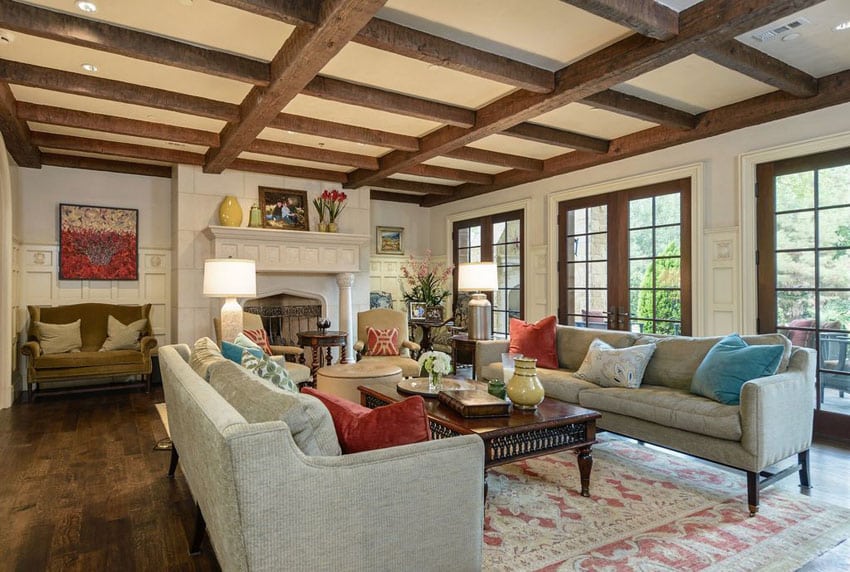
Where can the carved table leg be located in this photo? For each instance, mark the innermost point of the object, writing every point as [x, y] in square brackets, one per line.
[317, 351]
[585, 464]
[329, 359]
[343, 355]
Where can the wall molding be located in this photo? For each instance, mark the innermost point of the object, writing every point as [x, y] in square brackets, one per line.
[40, 285]
[694, 172]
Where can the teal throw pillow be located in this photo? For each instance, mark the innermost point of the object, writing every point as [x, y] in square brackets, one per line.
[269, 370]
[234, 352]
[730, 364]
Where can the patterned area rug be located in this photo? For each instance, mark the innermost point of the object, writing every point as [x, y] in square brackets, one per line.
[649, 510]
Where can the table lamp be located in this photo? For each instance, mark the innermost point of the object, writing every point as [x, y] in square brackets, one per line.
[230, 278]
[475, 277]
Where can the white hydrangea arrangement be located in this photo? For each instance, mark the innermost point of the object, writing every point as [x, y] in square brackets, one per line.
[436, 362]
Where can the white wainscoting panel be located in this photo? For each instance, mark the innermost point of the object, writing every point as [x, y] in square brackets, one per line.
[722, 289]
[40, 285]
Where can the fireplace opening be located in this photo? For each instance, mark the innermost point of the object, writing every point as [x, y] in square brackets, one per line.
[284, 315]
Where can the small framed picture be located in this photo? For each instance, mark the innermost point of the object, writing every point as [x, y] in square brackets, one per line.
[434, 313]
[284, 209]
[389, 240]
[417, 310]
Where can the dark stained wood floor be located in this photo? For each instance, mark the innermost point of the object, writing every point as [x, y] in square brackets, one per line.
[81, 488]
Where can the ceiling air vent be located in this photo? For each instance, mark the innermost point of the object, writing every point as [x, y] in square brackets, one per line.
[773, 33]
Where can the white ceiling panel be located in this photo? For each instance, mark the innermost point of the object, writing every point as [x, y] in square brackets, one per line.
[587, 120]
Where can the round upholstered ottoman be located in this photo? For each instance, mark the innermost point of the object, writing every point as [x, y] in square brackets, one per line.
[342, 379]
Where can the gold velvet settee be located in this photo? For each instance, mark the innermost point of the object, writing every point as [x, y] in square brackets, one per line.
[89, 362]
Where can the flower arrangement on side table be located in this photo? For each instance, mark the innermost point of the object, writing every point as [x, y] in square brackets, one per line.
[437, 364]
[332, 203]
[425, 281]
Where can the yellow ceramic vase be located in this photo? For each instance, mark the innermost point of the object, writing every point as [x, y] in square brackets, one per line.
[230, 212]
[524, 388]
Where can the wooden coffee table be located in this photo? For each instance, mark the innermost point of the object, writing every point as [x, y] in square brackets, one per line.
[554, 426]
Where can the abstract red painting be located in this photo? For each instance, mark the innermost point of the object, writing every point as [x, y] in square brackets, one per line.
[98, 243]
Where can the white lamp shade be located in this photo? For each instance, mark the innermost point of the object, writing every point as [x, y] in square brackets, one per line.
[230, 278]
[477, 276]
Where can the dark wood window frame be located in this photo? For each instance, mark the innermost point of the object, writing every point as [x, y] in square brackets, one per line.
[618, 249]
[486, 223]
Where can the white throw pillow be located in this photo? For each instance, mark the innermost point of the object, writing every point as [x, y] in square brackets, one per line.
[123, 336]
[59, 338]
[615, 367]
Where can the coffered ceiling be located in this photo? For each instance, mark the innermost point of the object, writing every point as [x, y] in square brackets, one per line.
[422, 102]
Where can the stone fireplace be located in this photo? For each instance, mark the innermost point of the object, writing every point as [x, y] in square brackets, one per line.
[296, 272]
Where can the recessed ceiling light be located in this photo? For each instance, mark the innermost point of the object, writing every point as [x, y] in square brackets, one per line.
[842, 26]
[86, 6]
[186, 2]
[790, 37]
[6, 37]
[89, 67]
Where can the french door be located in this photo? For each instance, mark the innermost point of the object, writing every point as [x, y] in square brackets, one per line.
[497, 238]
[803, 228]
[624, 260]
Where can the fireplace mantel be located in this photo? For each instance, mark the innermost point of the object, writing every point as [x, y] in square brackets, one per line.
[294, 251]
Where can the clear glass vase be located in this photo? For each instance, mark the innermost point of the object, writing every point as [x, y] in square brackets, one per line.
[435, 381]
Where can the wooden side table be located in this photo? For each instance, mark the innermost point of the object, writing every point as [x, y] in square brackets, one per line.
[463, 351]
[316, 340]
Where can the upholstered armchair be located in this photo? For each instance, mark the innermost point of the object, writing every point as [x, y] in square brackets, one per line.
[441, 337]
[293, 355]
[385, 319]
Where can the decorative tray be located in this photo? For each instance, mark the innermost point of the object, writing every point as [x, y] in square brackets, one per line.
[420, 386]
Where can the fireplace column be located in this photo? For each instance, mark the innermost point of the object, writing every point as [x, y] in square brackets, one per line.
[345, 280]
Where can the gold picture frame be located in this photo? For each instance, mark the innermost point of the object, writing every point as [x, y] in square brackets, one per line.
[389, 240]
[283, 209]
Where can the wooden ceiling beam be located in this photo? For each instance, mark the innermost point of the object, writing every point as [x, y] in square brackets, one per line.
[293, 12]
[288, 170]
[130, 150]
[758, 65]
[375, 195]
[834, 90]
[415, 187]
[70, 29]
[79, 84]
[646, 17]
[303, 152]
[323, 128]
[97, 164]
[435, 50]
[710, 21]
[16, 133]
[438, 172]
[638, 108]
[112, 124]
[495, 158]
[382, 100]
[557, 137]
[306, 51]
[415, 44]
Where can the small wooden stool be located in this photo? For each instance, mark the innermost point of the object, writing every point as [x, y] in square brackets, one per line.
[342, 379]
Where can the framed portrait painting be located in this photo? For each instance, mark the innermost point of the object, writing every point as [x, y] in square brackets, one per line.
[98, 243]
[417, 310]
[284, 210]
[389, 240]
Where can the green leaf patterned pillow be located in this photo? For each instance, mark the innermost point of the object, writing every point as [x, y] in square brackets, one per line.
[269, 370]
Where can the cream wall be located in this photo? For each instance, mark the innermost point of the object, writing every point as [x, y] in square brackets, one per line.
[722, 263]
[196, 198]
[7, 301]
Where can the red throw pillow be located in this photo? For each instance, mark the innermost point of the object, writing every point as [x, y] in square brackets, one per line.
[535, 341]
[359, 428]
[260, 338]
[381, 342]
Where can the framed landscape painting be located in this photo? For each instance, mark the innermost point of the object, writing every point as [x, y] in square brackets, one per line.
[98, 243]
[389, 240]
[283, 209]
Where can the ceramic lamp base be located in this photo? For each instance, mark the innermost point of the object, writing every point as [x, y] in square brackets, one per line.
[231, 320]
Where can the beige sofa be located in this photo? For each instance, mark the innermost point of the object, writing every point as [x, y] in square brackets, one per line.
[276, 494]
[43, 369]
[773, 421]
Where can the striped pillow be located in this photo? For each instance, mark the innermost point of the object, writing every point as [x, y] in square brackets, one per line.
[381, 342]
[260, 338]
